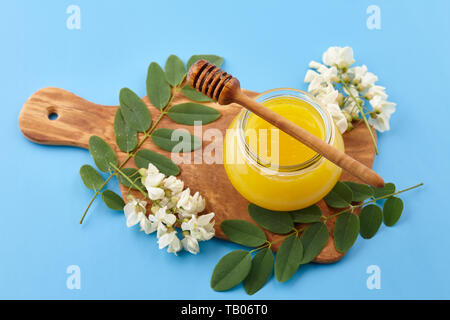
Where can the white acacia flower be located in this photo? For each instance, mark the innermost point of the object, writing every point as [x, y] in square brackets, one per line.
[315, 65]
[169, 203]
[382, 111]
[134, 211]
[358, 73]
[155, 193]
[201, 228]
[152, 169]
[152, 180]
[351, 108]
[317, 85]
[190, 205]
[330, 96]
[173, 184]
[329, 99]
[367, 81]
[190, 244]
[162, 218]
[376, 91]
[170, 240]
[146, 225]
[328, 74]
[339, 57]
[338, 116]
[310, 75]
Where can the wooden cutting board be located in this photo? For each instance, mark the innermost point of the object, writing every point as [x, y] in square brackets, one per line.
[79, 119]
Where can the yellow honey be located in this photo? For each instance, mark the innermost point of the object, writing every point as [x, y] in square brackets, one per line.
[270, 168]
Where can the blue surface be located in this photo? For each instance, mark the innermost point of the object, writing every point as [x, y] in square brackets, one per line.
[266, 45]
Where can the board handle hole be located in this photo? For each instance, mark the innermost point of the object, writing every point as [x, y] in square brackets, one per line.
[52, 114]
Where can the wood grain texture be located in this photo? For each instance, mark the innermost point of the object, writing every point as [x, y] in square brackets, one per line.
[78, 119]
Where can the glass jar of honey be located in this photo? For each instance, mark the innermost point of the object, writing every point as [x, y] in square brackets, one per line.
[272, 169]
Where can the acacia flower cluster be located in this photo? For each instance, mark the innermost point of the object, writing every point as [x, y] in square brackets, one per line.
[170, 205]
[344, 91]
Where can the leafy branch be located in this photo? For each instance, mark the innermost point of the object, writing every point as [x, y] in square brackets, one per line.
[305, 234]
[133, 118]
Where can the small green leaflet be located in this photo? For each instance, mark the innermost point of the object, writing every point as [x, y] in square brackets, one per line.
[231, 270]
[189, 113]
[340, 196]
[307, 215]
[165, 165]
[275, 221]
[158, 89]
[208, 57]
[178, 140]
[243, 232]
[346, 231]
[126, 137]
[288, 258]
[91, 178]
[113, 200]
[370, 220]
[134, 110]
[361, 192]
[175, 70]
[262, 265]
[392, 210]
[313, 239]
[194, 95]
[134, 176]
[102, 154]
[388, 188]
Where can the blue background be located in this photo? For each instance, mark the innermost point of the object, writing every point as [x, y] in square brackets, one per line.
[266, 44]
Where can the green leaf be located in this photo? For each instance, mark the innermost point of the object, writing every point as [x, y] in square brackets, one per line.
[158, 89]
[194, 95]
[165, 165]
[175, 140]
[134, 110]
[346, 231]
[126, 137]
[288, 258]
[275, 221]
[392, 210]
[370, 219]
[208, 57]
[313, 239]
[134, 176]
[262, 265]
[340, 196]
[361, 192]
[102, 154]
[243, 232]
[307, 215]
[388, 188]
[231, 270]
[113, 200]
[188, 113]
[175, 70]
[91, 178]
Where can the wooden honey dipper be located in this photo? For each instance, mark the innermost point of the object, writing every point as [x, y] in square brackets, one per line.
[223, 88]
